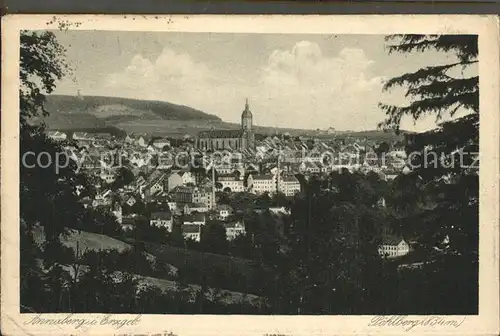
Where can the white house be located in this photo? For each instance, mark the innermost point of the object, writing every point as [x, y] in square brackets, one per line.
[128, 223]
[381, 202]
[186, 194]
[117, 211]
[188, 178]
[195, 218]
[103, 198]
[128, 139]
[180, 178]
[58, 136]
[309, 167]
[172, 205]
[289, 185]
[82, 136]
[225, 168]
[195, 207]
[234, 229]
[142, 142]
[260, 184]
[406, 170]
[191, 231]
[165, 160]
[156, 184]
[107, 176]
[232, 182]
[162, 219]
[223, 211]
[279, 210]
[160, 143]
[130, 200]
[174, 180]
[398, 153]
[392, 247]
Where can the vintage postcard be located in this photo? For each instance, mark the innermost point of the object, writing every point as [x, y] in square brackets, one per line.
[250, 175]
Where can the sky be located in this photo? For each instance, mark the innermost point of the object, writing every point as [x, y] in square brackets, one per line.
[294, 81]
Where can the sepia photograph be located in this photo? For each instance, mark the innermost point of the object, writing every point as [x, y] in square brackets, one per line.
[192, 172]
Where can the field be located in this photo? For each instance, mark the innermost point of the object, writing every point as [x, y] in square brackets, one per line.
[90, 240]
[239, 274]
[96, 242]
[87, 240]
[228, 297]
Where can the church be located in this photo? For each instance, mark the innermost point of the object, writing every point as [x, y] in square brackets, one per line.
[241, 139]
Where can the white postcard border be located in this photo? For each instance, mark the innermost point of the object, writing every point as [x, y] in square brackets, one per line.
[13, 323]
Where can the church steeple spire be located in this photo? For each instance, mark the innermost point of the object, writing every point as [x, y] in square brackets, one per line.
[246, 117]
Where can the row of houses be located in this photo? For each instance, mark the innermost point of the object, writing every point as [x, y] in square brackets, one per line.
[191, 224]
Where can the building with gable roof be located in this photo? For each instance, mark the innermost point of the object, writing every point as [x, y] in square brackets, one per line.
[393, 247]
[289, 185]
[260, 184]
[162, 219]
[191, 231]
[234, 229]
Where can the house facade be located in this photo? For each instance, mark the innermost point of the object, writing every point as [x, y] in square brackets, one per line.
[180, 179]
[234, 183]
[191, 231]
[233, 230]
[183, 195]
[289, 185]
[260, 184]
[162, 219]
[195, 207]
[223, 211]
[393, 247]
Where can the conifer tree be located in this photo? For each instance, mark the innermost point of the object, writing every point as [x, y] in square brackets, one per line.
[450, 92]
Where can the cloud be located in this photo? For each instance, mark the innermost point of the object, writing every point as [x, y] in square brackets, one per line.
[171, 76]
[306, 88]
[300, 87]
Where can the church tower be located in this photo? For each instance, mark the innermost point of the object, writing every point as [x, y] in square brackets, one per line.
[246, 118]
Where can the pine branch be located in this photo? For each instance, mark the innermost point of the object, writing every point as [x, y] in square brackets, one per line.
[437, 105]
[465, 47]
[425, 75]
[439, 88]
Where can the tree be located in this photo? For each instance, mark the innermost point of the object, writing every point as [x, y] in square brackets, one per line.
[449, 182]
[279, 199]
[123, 178]
[443, 91]
[263, 201]
[334, 233]
[42, 64]
[222, 198]
[241, 246]
[237, 174]
[47, 196]
[213, 238]
[381, 150]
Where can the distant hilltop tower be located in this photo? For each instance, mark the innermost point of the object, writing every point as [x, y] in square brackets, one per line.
[79, 94]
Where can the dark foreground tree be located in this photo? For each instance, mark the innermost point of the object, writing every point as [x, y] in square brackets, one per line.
[47, 196]
[444, 164]
[444, 91]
